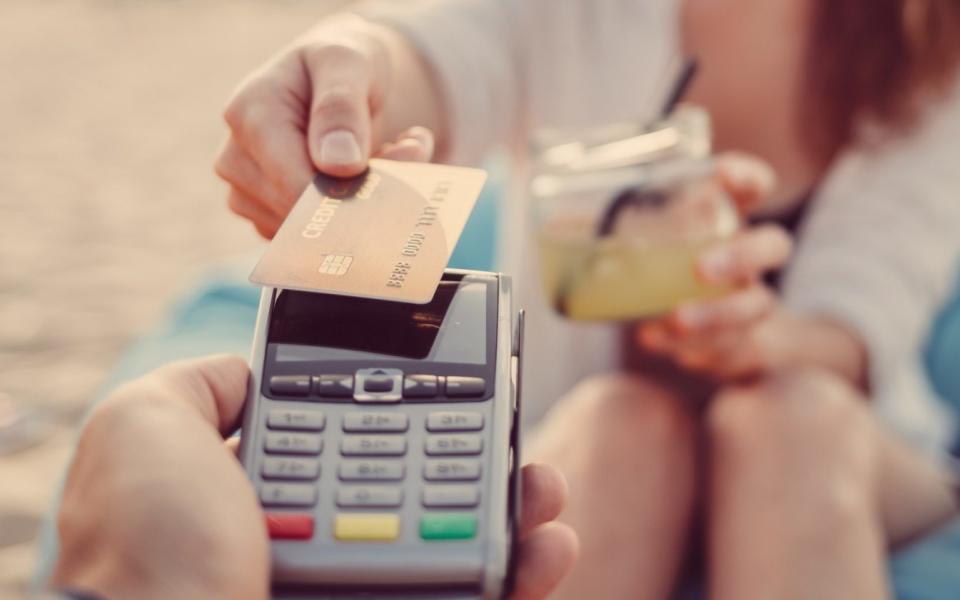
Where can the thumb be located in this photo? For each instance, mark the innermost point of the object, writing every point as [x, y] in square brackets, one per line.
[339, 130]
[214, 386]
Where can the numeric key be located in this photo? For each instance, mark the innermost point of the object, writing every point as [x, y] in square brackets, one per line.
[293, 443]
[296, 420]
[454, 445]
[360, 422]
[371, 470]
[373, 497]
[455, 421]
[451, 496]
[290, 468]
[288, 494]
[373, 445]
[451, 470]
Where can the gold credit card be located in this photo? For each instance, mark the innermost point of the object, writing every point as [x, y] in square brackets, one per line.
[387, 234]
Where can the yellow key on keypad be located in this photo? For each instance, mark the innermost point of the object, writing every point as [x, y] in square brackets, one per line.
[366, 527]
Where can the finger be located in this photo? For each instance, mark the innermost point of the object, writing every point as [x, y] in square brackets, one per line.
[272, 132]
[747, 179]
[544, 558]
[215, 386]
[693, 351]
[265, 220]
[237, 168]
[696, 359]
[233, 445]
[267, 232]
[723, 352]
[416, 144]
[407, 150]
[728, 354]
[544, 495]
[420, 137]
[745, 256]
[340, 129]
[734, 311]
[654, 336]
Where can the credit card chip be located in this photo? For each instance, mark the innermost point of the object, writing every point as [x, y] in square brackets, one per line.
[335, 264]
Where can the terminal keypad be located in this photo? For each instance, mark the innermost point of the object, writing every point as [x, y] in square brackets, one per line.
[371, 480]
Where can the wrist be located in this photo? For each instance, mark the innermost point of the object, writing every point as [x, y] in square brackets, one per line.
[831, 345]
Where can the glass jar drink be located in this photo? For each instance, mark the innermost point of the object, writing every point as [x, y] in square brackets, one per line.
[618, 238]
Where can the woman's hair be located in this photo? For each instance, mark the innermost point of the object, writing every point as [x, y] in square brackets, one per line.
[879, 62]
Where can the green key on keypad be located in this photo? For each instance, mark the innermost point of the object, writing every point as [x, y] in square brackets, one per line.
[448, 527]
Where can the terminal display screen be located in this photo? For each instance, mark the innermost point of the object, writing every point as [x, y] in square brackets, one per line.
[451, 328]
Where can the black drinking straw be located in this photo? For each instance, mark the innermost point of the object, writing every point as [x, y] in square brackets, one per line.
[680, 86]
[631, 197]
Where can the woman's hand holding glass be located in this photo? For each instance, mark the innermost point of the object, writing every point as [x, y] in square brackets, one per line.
[749, 331]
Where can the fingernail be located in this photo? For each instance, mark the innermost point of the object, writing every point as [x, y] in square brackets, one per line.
[423, 137]
[417, 140]
[340, 147]
[737, 173]
[414, 133]
[717, 264]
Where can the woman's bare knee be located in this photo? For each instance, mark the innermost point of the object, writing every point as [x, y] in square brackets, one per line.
[792, 502]
[802, 439]
[618, 415]
[627, 448]
[787, 408]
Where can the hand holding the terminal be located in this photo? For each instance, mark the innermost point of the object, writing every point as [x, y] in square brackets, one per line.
[344, 91]
[157, 506]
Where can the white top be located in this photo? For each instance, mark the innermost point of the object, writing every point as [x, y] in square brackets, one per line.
[878, 251]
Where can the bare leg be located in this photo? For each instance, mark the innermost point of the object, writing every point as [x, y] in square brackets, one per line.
[627, 449]
[804, 483]
[915, 495]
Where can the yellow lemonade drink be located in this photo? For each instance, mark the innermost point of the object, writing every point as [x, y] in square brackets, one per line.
[620, 277]
[620, 223]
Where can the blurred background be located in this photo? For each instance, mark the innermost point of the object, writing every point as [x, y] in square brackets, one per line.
[110, 119]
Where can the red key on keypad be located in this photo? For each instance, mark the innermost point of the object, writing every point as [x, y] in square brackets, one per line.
[290, 527]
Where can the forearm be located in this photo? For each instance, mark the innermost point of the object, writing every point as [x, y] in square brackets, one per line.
[830, 345]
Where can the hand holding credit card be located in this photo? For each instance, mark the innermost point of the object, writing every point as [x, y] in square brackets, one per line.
[386, 234]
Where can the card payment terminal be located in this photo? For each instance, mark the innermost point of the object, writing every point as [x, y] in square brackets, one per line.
[381, 438]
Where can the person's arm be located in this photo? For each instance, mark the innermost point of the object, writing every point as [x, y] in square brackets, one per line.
[473, 72]
[879, 256]
[333, 97]
[156, 505]
[749, 332]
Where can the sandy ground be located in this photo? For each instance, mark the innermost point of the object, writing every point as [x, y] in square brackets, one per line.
[109, 119]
